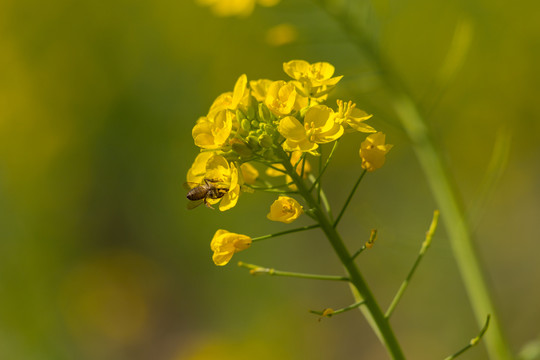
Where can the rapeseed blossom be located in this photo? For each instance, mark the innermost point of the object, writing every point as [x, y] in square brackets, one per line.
[225, 244]
[285, 210]
[276, 124]
[373, 151]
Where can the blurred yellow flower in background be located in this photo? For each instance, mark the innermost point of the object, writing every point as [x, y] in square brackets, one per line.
[225, 244]
[285, 210]
[373, 151]
[235, 7]
[281, 34]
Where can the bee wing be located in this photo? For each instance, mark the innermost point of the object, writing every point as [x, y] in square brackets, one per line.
[193, 204]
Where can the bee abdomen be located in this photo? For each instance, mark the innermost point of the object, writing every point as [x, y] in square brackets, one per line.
[196, 194]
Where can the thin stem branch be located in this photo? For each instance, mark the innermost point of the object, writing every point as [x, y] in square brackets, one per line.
[331, 312]
[264, 237]
[423, 250]
[349, 198]
[255, 270]
[321, 171]
[323, 198]
[367, 245]
[473, 341]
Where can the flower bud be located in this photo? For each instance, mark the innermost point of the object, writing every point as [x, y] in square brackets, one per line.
[264, 113]
[265, 141]
[245, 124]
[225, 244]
[240, 115]
[242, 149]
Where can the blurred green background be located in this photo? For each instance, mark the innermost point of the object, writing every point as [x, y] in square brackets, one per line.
[99, 258]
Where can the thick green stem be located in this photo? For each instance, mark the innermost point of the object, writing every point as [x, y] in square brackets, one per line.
[361, 291]
[456, 225]
[413, 122]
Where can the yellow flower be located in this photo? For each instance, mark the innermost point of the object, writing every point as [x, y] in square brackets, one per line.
[349, 114]
[295, 135]
[249, 173]
[197, 172]
[212, 132]
[281, 97]
[259, 88]
[238, 98]
[316, 78]
[285, 209]
[319, 127]
[373, 151]
[219, 170]
[225, 244]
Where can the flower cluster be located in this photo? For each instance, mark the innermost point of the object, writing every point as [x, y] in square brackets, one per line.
[273, 123]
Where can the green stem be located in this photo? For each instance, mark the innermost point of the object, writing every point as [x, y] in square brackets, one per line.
[425, 246]
[367, 245]
[361, 291]
[349, 198]
[456, 225]
[336, 312]
[438, 179]
[264, 237]
[473, 341]
[323, 198]
[255, 269]
[323, 169]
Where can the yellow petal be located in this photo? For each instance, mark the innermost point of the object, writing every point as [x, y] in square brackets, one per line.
[292, 129]
[296, 68]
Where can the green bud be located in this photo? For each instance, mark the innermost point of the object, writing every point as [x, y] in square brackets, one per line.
[245, 124]
[240, 115]
[270, 129]
[251, 111]
[252, 141]
[264, 113]
[230, 155]
[265, 141]
[254, 123]
[242, 149]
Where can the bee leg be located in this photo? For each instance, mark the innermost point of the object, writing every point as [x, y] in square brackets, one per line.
[208, 205]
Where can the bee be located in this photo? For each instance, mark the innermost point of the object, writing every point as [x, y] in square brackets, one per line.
[203, 192]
